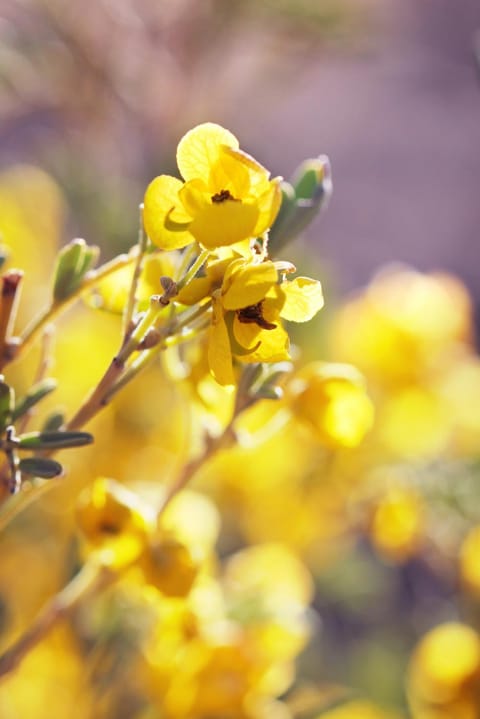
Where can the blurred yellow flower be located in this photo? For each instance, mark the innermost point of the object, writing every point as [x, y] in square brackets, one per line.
[114, 522]
[332, 400]
[227, 196]
[397, 523]
[470, 561]
[444, 673]
[358, 709]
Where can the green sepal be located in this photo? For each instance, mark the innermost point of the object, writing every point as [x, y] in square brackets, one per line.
[40, 467]
[53, 440]
[7, 399]
[311, 187]
[37, 393]
[73, 262]
[283, 218]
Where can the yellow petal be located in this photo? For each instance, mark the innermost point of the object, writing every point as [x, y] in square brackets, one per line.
[268, 204]
[199, 149]
[194, 196]
[273, 346]
[112, 292]
[219, 352]
[249, 285]
[224, 223]
[161, 201]
[304, 298]
[229, 174]
[248, 161]
[195, 291]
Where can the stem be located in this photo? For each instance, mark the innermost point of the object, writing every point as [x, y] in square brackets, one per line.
[147, 356]
[188, 471]
[139, 332]
[132, 295]
[21, 500]
[88, 581]
[92, 278]
[96, 400]
[11, 283]
[190, 274]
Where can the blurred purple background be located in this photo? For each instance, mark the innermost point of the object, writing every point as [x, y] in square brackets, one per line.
[100, 94]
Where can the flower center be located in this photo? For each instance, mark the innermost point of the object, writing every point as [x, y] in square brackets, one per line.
[253, 314]
[222, 196]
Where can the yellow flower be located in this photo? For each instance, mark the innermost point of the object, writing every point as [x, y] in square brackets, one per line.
[332, 400]
[444, 673]
[227, 196]
[247, 312]
[114, 522]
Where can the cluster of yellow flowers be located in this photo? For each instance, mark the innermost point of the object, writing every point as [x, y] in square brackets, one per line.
[187, 604]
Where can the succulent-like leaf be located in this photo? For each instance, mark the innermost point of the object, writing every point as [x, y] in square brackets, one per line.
[53, 440]
[34, 395]
[54, 422]
[40, 467]
[73, 262]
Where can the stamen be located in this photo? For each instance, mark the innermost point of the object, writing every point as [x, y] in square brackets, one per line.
[222, 196]
[253, 315]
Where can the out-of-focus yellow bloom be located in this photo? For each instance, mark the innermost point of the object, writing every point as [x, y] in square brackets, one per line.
[114, 522]
[397, 523]
[227, 196]
[332, 400]
[415, 422]
[181, 545]
[358, 710]
[269, 581]
[51, 682]
[444, 674]
[111, 293]
[170, 566]
[403, 325]
[31, 236]
[227, 651]
[470, 561]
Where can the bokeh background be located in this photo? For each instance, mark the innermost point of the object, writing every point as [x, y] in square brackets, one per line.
[97, 95]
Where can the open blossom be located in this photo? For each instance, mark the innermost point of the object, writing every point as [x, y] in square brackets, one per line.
[249, 302]
[226, 196]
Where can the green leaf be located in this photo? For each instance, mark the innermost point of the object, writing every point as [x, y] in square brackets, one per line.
[40, 467]
[35, 394]
[287, 208]
[73, 262]
[53, 422]
[7, 398]
[311, 187]
[54, 440]
[4, 254]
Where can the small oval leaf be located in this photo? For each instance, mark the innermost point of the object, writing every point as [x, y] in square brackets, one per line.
[54, 440]
[40, 467]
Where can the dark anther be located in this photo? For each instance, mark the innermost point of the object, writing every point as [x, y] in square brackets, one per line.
[253, 314]
[109, 528]
[222, 196]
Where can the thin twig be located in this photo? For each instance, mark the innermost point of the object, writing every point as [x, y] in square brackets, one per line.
[92, 278]
[88, 581]
[132, 295]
